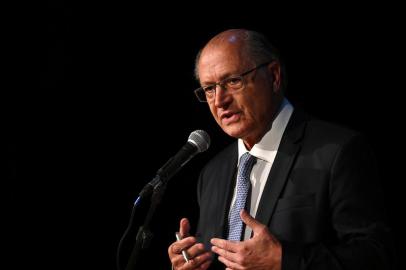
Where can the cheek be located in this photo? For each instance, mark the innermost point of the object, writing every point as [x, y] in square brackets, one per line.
[213, 110]
[258, 103]
[248, 107]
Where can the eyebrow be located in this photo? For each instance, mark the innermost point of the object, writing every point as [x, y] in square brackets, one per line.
[222, 77]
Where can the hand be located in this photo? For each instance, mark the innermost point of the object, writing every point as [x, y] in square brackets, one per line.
[199, 258]
[262, 251]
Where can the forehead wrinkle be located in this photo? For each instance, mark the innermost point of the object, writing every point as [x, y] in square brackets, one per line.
[218, 74]
[212, 76]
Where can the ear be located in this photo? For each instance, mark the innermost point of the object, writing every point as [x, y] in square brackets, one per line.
[275, 69]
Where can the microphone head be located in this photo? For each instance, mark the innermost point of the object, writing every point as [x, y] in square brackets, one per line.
[200, 139]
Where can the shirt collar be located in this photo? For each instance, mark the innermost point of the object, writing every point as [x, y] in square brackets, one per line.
[269, 143]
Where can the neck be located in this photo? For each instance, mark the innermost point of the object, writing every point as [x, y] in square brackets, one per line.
[251, 140]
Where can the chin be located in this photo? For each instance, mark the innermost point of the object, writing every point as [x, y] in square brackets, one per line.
[235, 131]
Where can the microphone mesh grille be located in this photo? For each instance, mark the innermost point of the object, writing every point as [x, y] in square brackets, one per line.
[201, 139]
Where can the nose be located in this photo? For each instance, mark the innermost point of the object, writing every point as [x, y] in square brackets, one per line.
[222, 97]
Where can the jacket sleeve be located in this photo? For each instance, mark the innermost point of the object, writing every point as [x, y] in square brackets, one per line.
[357, 218]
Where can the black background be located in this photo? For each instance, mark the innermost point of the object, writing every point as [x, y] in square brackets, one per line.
[116, 101]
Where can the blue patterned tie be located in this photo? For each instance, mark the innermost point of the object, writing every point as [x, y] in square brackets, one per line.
[235, 224]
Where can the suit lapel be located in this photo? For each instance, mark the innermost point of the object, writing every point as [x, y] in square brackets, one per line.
[287, 152]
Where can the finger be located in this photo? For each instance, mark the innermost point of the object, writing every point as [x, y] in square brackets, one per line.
[183, 244]
[204, 265]
[229, 264]
[184, 227]
[198, 261]
[231, 256]
[178, 261]
[195, 250]
[192, 253]
[250, 221]
[231, 246]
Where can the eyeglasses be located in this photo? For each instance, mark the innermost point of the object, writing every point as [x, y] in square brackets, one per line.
[231, 84]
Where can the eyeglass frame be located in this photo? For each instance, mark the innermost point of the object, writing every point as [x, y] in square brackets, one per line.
[222, 82]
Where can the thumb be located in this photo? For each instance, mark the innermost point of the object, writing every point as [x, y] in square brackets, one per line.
[250, 221]
[184, 227]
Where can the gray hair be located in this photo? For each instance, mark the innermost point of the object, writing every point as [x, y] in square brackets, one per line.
[258, 48]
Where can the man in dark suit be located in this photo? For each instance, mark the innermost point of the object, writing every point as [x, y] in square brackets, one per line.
[313, 201]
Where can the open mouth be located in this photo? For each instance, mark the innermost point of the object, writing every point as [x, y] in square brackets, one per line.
[229, 117]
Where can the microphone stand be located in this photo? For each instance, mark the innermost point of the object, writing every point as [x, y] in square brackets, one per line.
[144, 235]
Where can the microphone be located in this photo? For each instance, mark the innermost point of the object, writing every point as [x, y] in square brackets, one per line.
[198, 141]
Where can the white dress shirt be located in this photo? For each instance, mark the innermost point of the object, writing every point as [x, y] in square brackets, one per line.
[265, 151]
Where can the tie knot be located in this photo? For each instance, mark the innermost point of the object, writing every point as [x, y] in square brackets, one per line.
[247, 160]
[246, 163]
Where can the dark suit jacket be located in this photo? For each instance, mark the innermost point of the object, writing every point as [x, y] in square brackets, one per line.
[322, 199]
